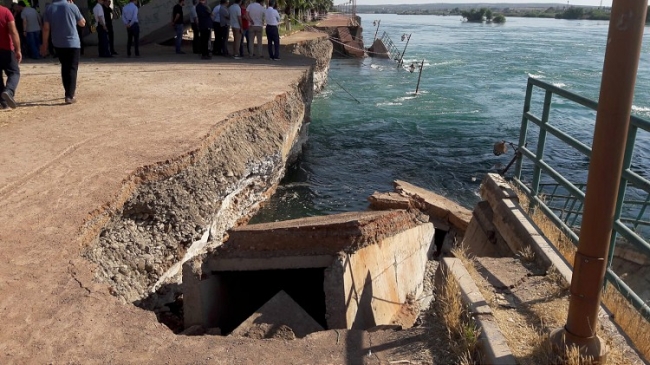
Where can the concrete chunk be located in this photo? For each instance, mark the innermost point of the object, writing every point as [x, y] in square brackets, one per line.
[386, 201]
[436, 205]
[495, 188]
[323, 235]
[278, 311]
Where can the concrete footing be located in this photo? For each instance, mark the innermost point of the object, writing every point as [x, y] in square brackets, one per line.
[350, 270]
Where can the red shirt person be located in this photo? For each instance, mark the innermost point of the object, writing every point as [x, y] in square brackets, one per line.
[10, 57]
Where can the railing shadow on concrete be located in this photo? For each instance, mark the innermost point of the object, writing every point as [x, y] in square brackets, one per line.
[562, 199]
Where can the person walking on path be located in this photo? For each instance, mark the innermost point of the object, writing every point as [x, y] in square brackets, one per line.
[236, 25]
[31, 29]
[224, 20]
[130, 19]
[177, 23]
[194, 23]
[61, 20]
[10, 57]
[255, 14]
[102, 30]
[205, 24]
[108, 17]
[272, 32]
[217, 48]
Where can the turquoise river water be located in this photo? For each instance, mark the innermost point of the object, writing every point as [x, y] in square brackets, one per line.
[471, 95]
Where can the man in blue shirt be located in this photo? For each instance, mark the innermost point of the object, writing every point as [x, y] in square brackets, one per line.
[60, 21]
[130, 19]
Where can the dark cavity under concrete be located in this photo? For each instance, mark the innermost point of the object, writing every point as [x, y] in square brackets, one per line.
[352, 270]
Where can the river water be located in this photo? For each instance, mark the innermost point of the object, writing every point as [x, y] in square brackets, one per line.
[471, 95]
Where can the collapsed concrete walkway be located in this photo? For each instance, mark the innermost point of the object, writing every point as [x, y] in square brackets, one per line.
[66, 170]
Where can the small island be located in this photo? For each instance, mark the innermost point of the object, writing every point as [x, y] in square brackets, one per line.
[482, 15]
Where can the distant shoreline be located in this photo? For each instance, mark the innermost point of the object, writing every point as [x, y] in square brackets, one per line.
[541, 10]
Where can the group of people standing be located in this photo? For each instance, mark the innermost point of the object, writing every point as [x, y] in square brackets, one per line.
[246, 20]
[60, 22]
[103, 14]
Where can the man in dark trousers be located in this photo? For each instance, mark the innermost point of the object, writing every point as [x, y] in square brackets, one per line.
[102, 30]
[61, 20]
[177, 24]
[205, 25]
[130, 19]
[10, 57]
[108, 17]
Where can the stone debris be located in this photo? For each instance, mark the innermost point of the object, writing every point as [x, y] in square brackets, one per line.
[281, 310]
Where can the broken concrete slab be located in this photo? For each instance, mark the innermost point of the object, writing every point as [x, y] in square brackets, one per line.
[502, 272]
[323, 235]
[390, 200]
[436, 205]
[278, 311]
[495, 188]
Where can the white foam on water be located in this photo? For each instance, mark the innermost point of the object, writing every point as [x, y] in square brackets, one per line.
[640, 108]
[559, 84]
[389, 103]
[535, 76]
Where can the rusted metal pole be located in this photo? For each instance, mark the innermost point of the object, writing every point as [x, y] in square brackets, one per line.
[401, 60]
[377, 31]
[612, 122]
[417, 88]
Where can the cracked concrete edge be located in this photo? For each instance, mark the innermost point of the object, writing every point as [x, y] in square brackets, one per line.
[505, 205]
[493, 345]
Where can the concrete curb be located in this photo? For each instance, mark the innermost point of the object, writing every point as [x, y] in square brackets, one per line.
[493, 345]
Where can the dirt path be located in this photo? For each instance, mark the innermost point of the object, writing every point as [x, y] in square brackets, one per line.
[61, 166]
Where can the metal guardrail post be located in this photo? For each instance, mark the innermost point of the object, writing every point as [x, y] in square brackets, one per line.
[541, 144]
[612, 122]
[524, 128]
[627, 162]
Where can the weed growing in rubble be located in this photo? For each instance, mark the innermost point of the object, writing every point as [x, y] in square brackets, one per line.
[462, 331]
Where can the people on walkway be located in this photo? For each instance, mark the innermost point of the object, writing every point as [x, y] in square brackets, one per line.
[217, 48]
[31, 29]
[102, 30]
[177, 23]
[272, 18]
[130, 20]
[236, 25]
[255, 15]
[205, 28]
[108, 17]
[194, 23]
[245, 25]
[224, 20]
[10, 57]
[60, 21]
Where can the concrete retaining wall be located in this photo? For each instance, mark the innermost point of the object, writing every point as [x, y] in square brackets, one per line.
[378, 279]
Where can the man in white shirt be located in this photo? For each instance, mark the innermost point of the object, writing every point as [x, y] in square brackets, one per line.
[31, 28]
[272, 18]
[255, 14]
[102, 30]
[130, 19]
[236, 25]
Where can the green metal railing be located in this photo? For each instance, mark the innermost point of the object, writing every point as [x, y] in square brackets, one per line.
[562, 200]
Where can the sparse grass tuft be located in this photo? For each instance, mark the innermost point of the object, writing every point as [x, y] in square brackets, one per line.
[527, 254]
[463, 332]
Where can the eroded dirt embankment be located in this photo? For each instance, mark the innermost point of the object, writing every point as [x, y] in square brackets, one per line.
[174, 217]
